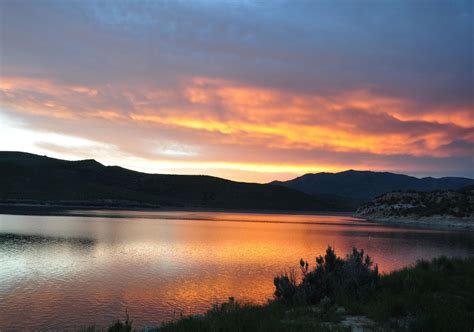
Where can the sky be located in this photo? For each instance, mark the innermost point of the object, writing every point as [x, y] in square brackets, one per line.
[245, 90]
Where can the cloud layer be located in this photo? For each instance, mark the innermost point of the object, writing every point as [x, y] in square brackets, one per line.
[246, 90]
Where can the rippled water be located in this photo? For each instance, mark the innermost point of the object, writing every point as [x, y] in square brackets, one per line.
[60, 272]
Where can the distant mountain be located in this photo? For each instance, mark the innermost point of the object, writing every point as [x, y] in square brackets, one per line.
[357, 187]
[31, 178]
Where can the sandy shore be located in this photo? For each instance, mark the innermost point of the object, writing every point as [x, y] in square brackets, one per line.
[431, 222]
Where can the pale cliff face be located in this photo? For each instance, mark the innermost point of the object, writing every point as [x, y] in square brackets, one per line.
[420, 204]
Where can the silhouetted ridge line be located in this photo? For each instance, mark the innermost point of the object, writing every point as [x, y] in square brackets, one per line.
[358, 187]
[29, 177]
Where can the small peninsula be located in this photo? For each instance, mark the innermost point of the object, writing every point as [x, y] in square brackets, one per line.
[448, 208]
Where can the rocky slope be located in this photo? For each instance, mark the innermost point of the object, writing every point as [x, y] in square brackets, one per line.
[414, 204]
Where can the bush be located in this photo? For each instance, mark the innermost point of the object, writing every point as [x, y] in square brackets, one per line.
[285, 286]
[119, 326]
[436, 295]
[332, 276]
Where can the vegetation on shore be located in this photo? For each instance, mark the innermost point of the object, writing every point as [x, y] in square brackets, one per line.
[341, 293]
[416, 204]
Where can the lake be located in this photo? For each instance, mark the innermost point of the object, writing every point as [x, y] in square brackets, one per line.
[59, 272]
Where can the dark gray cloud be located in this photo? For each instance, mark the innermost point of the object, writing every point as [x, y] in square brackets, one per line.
[421, 50]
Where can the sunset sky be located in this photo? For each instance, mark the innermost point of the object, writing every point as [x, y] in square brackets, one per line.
[246, 90]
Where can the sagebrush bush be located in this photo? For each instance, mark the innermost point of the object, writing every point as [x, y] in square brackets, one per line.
[331, 276]
[119, 326]
[285, 286]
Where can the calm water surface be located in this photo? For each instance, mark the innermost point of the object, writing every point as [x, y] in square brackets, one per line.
[59, 272]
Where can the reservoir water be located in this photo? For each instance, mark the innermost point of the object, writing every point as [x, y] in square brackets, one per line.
[64, 272]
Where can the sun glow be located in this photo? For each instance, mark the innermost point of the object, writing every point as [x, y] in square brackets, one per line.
[215, 115]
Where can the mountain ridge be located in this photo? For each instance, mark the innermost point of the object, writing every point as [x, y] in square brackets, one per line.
[362, 186]
[30, 177]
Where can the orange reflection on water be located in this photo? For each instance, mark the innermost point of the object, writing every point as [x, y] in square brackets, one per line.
[86, 269]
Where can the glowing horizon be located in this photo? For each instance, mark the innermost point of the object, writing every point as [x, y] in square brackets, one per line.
[200, 89]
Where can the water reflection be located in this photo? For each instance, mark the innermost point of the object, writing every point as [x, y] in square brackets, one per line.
[10, 242]
[62, 272]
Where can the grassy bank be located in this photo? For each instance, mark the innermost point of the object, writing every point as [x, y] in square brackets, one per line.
[431, 296]
[340, 294]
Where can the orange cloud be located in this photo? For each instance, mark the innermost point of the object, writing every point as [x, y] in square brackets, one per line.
[279, 119]
[225, 114]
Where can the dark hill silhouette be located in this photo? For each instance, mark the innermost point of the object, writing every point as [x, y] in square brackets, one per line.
[362, 186]
[31, 177]
[467, 188]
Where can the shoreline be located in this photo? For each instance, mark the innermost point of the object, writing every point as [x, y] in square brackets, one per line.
[434, 222]
[409, 298]
[65, 209]
[48, 209]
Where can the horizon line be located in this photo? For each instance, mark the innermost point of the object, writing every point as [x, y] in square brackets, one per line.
[228, 179]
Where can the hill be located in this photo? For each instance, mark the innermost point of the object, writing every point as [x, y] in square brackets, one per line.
[31, 178]
[416, 204]
[358, 187]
